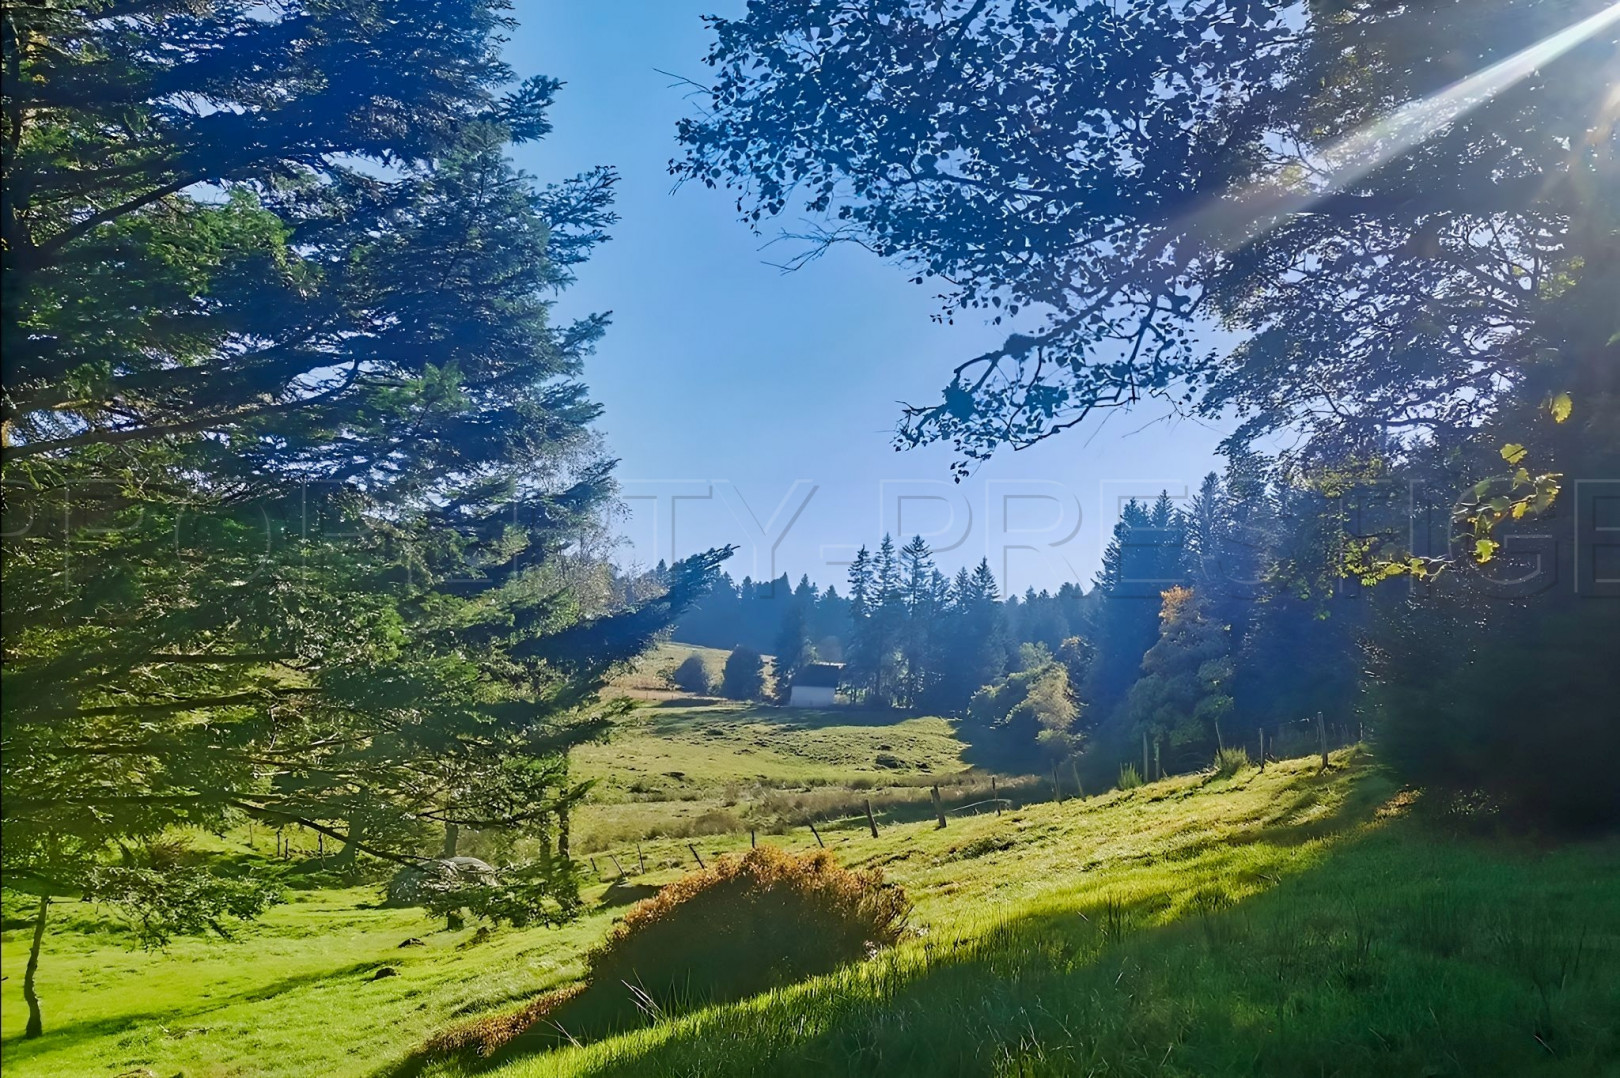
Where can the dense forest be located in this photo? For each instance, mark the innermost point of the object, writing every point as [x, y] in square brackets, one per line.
[1207, 623]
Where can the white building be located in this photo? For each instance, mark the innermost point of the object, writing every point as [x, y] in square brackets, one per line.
[816, 685]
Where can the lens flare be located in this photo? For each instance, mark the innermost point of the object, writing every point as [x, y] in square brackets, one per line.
[1257, 210]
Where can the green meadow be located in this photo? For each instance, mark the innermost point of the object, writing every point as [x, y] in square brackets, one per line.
[1291, 921]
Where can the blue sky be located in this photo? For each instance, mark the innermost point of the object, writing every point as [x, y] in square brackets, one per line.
[755, 407]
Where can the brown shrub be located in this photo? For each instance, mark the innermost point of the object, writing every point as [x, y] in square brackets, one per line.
[748, 923]
[741, 926]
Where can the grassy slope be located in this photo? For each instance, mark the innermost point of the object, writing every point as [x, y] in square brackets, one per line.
[1288, 923]
[1285, 923]
[725, 767]
[675, 750]
[648, 678]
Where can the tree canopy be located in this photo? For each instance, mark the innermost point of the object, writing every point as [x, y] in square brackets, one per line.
[1227, 203]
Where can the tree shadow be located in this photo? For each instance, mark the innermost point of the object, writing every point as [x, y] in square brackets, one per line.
[623, 893]
[19, 1050]
[1318, 973]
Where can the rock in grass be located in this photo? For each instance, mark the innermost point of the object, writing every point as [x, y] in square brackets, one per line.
[384, 971]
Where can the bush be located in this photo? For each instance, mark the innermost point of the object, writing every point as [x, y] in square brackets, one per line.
[1230, 760]
[744, 676]
[747, 924]
[692, 676]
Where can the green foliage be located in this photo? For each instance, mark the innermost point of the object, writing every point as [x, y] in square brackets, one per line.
[1027, 719]
[1185, 693]
[520, 895]
[744, 676]
[692, 675]
[1144, 555]
[303, 505]
[1477, 244]
[177, 901]
[1129, 777]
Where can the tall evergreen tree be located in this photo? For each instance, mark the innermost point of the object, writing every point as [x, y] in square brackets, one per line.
[300, 486]
[1184, 695]
[863, 655]
[1142, 558]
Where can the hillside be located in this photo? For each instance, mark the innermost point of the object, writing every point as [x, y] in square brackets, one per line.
[1288, 922]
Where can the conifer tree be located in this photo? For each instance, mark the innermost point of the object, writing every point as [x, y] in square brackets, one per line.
[1184, 695]
[301, 492]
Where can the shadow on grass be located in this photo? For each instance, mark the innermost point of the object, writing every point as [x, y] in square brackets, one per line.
[18, 1050]
[1390, 955]
[623, 893]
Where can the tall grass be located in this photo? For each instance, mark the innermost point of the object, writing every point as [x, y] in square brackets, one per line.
[1230, 760]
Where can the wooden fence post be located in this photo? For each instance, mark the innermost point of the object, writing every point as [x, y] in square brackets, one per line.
[871, 821]
[1262, 749]
[1321, 737]
[699, 856]
[616, 865]
[1158, 761]
[816, 833]
[994, 796]
[1057, 791]
[641, 859]
[939, 808]
[753, 838]
[1147, 772]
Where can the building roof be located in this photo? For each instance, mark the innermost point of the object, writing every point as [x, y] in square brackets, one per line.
[820, 676]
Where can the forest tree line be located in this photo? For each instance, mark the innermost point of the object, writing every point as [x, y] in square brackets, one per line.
[1248, 607]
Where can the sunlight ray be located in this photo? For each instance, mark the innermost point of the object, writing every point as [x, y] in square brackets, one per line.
[1259, 209]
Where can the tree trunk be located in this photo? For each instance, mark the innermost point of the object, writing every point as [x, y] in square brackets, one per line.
[452, 836]
[36, 1024]
[348, 856]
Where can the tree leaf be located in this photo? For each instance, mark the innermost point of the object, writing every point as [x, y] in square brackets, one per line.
[1560, 406]
[1513, 452]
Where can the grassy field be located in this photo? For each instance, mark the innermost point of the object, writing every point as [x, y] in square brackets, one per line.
[684, 766]
[685, 771]
[1282, 923]
[649, 680]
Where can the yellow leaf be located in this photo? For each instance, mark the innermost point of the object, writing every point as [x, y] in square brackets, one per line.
[1561, 407]
[1513, 452]
[1485, 550]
